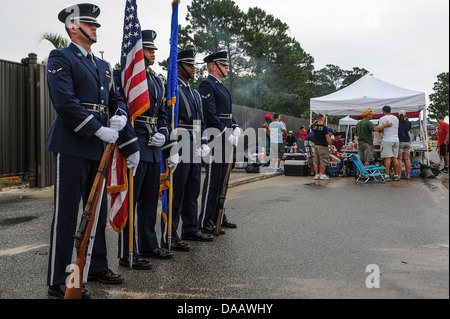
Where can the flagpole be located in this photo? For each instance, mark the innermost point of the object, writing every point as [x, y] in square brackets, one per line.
[130, 214]
[169, 218]
[133, 78]
[172, 103]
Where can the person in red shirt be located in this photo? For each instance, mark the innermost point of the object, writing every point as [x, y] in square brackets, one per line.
[337, 142]
[443, 132]
[303, 133]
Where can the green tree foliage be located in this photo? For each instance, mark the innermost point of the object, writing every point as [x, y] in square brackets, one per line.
[281, 69]
[268, 68]
[332, 78]
[57, 40]
[214, 25]
[439, 99]
[352, 76]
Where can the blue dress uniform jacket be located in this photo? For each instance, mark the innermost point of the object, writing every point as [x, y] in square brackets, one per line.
[190, 118]
[156, 109]
[146, 180]
[74, 80]
[82, 95]
[217, 104]
[217, 113]
[186, 178]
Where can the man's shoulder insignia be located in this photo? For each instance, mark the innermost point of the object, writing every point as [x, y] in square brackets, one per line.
[54, 71]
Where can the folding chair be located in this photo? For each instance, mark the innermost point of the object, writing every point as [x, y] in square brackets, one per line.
[367, 172]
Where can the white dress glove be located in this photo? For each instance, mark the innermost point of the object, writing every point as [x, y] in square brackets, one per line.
[118, 122]
[158, 140]
[203, 151]
[133, 161]
[237, 132]
[233, 140]
[107, 134]
[173, 161]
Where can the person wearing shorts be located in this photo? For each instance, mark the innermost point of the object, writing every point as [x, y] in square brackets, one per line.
[365, 129]
[390, 143]
[321, 152]
[276, 129]
[443, 140]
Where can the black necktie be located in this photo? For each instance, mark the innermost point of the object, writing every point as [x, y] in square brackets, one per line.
[90, 56]
[194, 100]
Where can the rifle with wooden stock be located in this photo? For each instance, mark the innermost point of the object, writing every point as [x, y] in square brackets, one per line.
[75, 285]
[223, 193]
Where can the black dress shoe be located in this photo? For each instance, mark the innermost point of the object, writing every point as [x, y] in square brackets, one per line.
[60, 291]
[157, 253]
[228, 224]
[177, 245]
[212, 230]
[106, 277]
[198, 237]
[138, 263]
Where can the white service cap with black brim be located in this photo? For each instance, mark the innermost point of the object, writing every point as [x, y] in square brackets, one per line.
[148, 39]
[82, 12]
[187, 56]
[221, 57]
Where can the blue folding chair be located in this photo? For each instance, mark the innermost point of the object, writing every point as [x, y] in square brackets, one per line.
[369, 172]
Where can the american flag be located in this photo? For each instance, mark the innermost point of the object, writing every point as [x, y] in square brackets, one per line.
[134, 81]
[134, 84]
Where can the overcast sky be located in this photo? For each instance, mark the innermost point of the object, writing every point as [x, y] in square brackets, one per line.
[402, 42]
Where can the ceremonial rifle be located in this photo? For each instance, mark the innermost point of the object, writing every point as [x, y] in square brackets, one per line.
[223, 193]
[75, 285]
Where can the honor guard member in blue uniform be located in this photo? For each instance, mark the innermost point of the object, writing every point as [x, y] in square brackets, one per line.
[84, 98]
[152, 132]
[218, 114]
[191, 146]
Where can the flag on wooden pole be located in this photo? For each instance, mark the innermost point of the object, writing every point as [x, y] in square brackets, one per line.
[135, 88]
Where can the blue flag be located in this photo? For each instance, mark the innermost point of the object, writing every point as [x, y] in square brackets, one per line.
[172, 103]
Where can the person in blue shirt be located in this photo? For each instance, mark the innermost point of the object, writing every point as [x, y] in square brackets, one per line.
[404, 127]
[276, 129]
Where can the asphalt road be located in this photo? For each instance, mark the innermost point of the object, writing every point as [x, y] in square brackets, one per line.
[296, 239]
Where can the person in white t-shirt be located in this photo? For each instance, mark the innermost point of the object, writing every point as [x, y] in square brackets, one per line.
[390, 143]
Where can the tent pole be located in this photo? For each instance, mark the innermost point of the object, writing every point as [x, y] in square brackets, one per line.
[425, 125]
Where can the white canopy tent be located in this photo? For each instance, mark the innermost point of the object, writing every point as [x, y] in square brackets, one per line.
[370, 93]
[347, 122]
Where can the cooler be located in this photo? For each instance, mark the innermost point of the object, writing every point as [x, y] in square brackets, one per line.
[296, 168]
[333, 169]
[294, 157]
